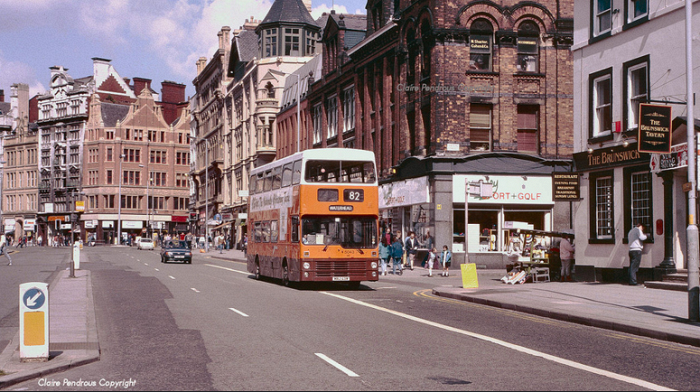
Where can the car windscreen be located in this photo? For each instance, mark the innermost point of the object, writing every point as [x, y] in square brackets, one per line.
[346, 231]
[176, 245]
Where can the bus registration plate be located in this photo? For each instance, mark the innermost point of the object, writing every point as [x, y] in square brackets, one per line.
[341, 278]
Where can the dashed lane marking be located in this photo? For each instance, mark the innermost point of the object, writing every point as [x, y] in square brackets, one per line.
[228, 269]
[239, 312]
[195, 290]
[515, 347]
[171, 277]
[337, 365]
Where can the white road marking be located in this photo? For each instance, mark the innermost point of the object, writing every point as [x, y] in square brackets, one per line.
[390, 287]
[145, 263]
[239, 312]
[195, 290]
[228, 269]
[561, 361]
[156, 269]
[337, 365]
[171, 277]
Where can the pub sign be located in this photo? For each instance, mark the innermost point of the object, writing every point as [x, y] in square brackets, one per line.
[654, 128]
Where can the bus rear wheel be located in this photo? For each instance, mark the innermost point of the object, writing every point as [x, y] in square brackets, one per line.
[285, 275]
[257, 270]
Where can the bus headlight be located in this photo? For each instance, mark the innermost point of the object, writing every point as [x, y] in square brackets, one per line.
[307, 265]
[306, 274]
[374, 265]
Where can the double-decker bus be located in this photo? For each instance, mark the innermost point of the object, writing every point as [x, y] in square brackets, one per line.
[312, 217]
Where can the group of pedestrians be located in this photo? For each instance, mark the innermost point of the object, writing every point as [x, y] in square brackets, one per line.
[403, 254]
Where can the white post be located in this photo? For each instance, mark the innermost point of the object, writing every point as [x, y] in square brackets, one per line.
[206, 182]
[692, 230]
[119, 202]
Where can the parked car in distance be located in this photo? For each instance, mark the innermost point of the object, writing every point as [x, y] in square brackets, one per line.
[175, 250]
[145, 243]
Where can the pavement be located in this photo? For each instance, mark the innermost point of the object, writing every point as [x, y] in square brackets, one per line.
[653, 313]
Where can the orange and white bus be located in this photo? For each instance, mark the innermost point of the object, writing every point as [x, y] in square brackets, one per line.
[312, 217]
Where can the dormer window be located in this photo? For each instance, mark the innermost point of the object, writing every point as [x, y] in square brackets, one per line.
[270, 40]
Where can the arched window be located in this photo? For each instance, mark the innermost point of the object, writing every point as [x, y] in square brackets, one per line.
[480, 48]
[528, 47]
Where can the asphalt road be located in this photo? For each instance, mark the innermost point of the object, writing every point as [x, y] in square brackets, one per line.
[209, 325]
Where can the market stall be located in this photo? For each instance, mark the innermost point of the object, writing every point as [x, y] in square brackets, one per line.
[534, 256]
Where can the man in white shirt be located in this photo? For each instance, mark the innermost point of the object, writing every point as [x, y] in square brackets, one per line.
[566, 253]
[4, 247]
[635, 239]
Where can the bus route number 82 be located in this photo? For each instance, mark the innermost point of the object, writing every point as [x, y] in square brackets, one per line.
[354, 195]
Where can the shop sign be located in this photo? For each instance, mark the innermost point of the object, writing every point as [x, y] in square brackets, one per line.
[65, 226]
[89, 225]
[527, 190]
[180, 219]
[80, 206]
[654, 128]
[678, 158]
[29, 227]
[107, 224]
[132, 224]
[48, 207]
[566, 186]
[404, 193]
[604, 158]
[227, 216]
[242, 215]
[29, 221]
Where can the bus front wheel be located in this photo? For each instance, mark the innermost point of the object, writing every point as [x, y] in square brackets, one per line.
[257, 270]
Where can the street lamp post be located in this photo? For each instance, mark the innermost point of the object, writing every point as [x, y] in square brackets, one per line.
[206, 186]
[148, 206]
[119, 203]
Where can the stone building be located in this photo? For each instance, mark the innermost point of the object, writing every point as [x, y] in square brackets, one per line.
[621, 60]
[20, 170]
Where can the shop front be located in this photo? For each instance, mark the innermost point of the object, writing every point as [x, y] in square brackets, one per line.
[500, 192]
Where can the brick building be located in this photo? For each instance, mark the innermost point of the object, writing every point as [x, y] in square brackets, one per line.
[133, 152]
[455, 92]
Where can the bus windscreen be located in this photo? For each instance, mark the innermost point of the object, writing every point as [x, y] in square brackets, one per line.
[348, 232]
[349, 172]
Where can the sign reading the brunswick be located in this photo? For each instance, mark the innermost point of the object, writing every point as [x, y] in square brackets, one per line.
[566, 186]
[654, 128]
[610, 157]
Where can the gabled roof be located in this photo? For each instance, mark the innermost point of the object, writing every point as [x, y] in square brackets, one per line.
[290, 11]
[244, 48]
[111, 113]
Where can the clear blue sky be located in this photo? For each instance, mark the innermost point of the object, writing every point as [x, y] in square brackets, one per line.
[154, 39]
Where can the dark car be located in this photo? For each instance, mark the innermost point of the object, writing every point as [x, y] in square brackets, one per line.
[175, 250]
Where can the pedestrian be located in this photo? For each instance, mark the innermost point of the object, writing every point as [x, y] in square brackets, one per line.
[397, 254]
[245, 244]
[4, 247]
[635, 238]
[446, 260]
[432, 260]
[566, 253]
[188, 239]
[384, 254]
[411, 249]
[429, 241]
[220, 243]
[39, 239]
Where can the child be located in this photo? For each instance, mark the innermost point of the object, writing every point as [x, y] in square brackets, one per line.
[432, 258]
[446, 261]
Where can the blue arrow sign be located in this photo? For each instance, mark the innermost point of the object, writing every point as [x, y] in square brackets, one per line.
[34, 298]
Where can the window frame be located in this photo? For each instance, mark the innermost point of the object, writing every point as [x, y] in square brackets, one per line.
[593, 79]
[630, 19]
[490, 128]
[594, 238]
[629, 200]
[596, 32]
[628, 112]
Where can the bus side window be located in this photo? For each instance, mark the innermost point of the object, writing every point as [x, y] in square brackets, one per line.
[274, 233]
[266, 231]
[287, 175]
[257, 236]
[296, 178]
[267, 181]
[276, 178]
[259, 182]
[252, 184]
[295, 229]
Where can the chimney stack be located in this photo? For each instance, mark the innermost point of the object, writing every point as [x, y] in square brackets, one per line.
[140, 84]
[201, 63]
[2, 95]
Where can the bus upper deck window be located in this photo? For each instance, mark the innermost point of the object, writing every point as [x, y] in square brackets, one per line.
[287, 175]
[276, 178]
[259, 182]
[296, 175]
[267, 182]
[251, 186]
